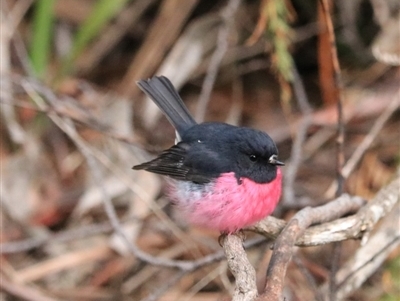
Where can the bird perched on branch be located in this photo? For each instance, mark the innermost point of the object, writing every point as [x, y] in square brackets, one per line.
[224, 177]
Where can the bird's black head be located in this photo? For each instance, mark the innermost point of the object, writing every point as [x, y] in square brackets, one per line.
[254, 153]
[221, 148]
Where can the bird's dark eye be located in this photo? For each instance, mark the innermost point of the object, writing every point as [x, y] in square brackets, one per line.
[253, 158]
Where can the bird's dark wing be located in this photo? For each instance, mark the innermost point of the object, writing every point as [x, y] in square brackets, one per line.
[169, 162]
[173, 163]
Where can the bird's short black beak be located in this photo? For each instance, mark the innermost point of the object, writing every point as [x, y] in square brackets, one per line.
[273, 160]
[277, 162]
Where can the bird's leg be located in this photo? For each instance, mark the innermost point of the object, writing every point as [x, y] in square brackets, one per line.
[239, 233]
[221, 238]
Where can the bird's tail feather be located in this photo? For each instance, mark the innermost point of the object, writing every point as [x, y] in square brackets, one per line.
[163, 93]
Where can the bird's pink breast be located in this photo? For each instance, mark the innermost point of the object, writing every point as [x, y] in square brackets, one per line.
[225, 205]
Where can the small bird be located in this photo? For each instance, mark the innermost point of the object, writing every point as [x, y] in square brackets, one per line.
[224, 177]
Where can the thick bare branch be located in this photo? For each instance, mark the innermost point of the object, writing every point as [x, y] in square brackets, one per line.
[364, 221]
[241, 268]
[338, 230]
[285, 244]
[369, 257]
[352, 227]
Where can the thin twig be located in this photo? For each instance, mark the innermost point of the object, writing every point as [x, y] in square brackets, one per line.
[309, 277]
[339, 102]
[22, 291]
[15, 130]
[19, 43]
[68, 128]
[297, 148]
[325, 5]
[166, 286]
[368, 140]
[217, 256]
[222, 45]
[64, 236]
[111, 35]
[63, 106]
[171, 17]
[334, 267]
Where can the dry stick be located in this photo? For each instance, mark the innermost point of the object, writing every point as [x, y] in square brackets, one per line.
[217, 256]
[297, 150]
[65, 107]
[14, 128]
[165, 287]
[334, 267]
[171, 17]
[17, 13]
[325, 5]
[370, 256]
[64, 236]
[22, 291]
[378, 125]
[367, 141]
[68, 128]
[66, 261]
[244, 52]
[143, 275]
[222, 45]
[337, 230]
[241, 268]
[363, 222]
[355, 226]
[298, 261]
[284, 245]
[296, 157]
[205, 280]
[20, 49]
[380, 205]
[111, 35]
[376, 252]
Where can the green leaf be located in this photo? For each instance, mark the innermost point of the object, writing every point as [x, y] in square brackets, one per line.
[41, 36]
[102, 13]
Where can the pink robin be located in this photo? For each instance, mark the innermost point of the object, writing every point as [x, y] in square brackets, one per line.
[224, 177]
